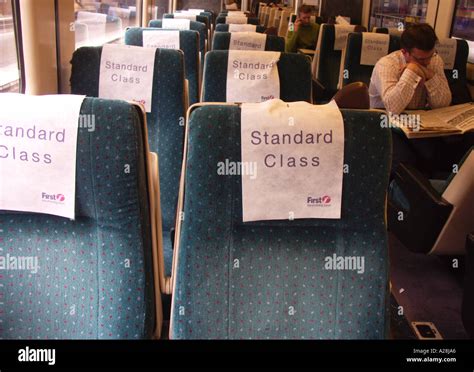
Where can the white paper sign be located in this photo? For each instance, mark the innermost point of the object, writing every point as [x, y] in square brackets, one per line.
[242, 28]
[447, 49]
[196, 10]
[166, 39]
[126, 73]
[341, 32]
[38, 153]
[374, 47]
[191, 17]
[252, 76]
[296, 154]
[247, 41]
[235, 20]
[176, 24]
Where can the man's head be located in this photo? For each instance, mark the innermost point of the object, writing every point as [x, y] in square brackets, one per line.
[304, 14]
[418, 43]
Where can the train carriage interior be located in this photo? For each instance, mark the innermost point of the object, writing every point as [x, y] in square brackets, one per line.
[184, 169]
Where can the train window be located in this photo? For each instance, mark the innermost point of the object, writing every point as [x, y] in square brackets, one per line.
[463, 24]
[397, 13]
[101, 22]
[9, 70]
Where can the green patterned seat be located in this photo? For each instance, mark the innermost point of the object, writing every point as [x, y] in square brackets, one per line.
[267, 279]
[165, 121]
[189, 44]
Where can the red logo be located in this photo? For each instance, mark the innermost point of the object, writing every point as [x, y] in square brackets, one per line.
[326, 199]
[60, 197]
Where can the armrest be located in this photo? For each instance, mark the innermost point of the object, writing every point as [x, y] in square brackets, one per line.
[416, 211]
[353, 96]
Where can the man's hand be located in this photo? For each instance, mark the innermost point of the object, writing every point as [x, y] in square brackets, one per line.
[417, 69]
[297, 24]
[428, 73]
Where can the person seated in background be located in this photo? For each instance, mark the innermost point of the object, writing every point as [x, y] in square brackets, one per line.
[304, 34]
[413, 77]
[255, 5]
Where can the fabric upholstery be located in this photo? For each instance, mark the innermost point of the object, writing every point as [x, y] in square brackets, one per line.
[294, 72]
[329, 60]
[356, 71]
[95, 277]
[225, 28]
[273, 43]
[189, 44]
[250, 21]
[165, 122]
[267, 279]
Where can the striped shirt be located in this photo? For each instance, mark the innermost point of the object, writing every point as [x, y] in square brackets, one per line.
[395, 89]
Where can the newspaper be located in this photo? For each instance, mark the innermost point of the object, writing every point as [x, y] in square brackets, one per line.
[445, 121]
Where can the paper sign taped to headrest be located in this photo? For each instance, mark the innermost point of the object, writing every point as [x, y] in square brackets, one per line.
[247, 41]
[252, 76]
[236, 20]
[176, 24]
[242, 28]
[126, 73]
[341, 32]
[292, 158]
[166, 39]
[374, 47]
[191, 17]
[447, 49]
[38, 144]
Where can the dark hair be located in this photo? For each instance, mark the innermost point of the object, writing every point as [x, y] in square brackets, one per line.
[305, 9]
[420, 35]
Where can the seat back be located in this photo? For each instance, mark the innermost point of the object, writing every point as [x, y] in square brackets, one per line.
[165, 122]
[222, 27]
[195, 26]
[457, 77]
[294, 72]
[199, 18]
[353, 71]
[222, 42]
[189, 44]
[284, 21]
[250, 20]
[95, 275]
[327, 60]
[266, 279]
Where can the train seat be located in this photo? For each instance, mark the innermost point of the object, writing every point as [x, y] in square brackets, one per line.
[165, 122]
[433, 216]
[222, 27]
[294, 73]
[352, 70]
[189, 44]
[95, 275]
[199, 18]
[195, 26]
[273, 43]
[250, 20]
[457, 76]
[327, 60]
[263, 279]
